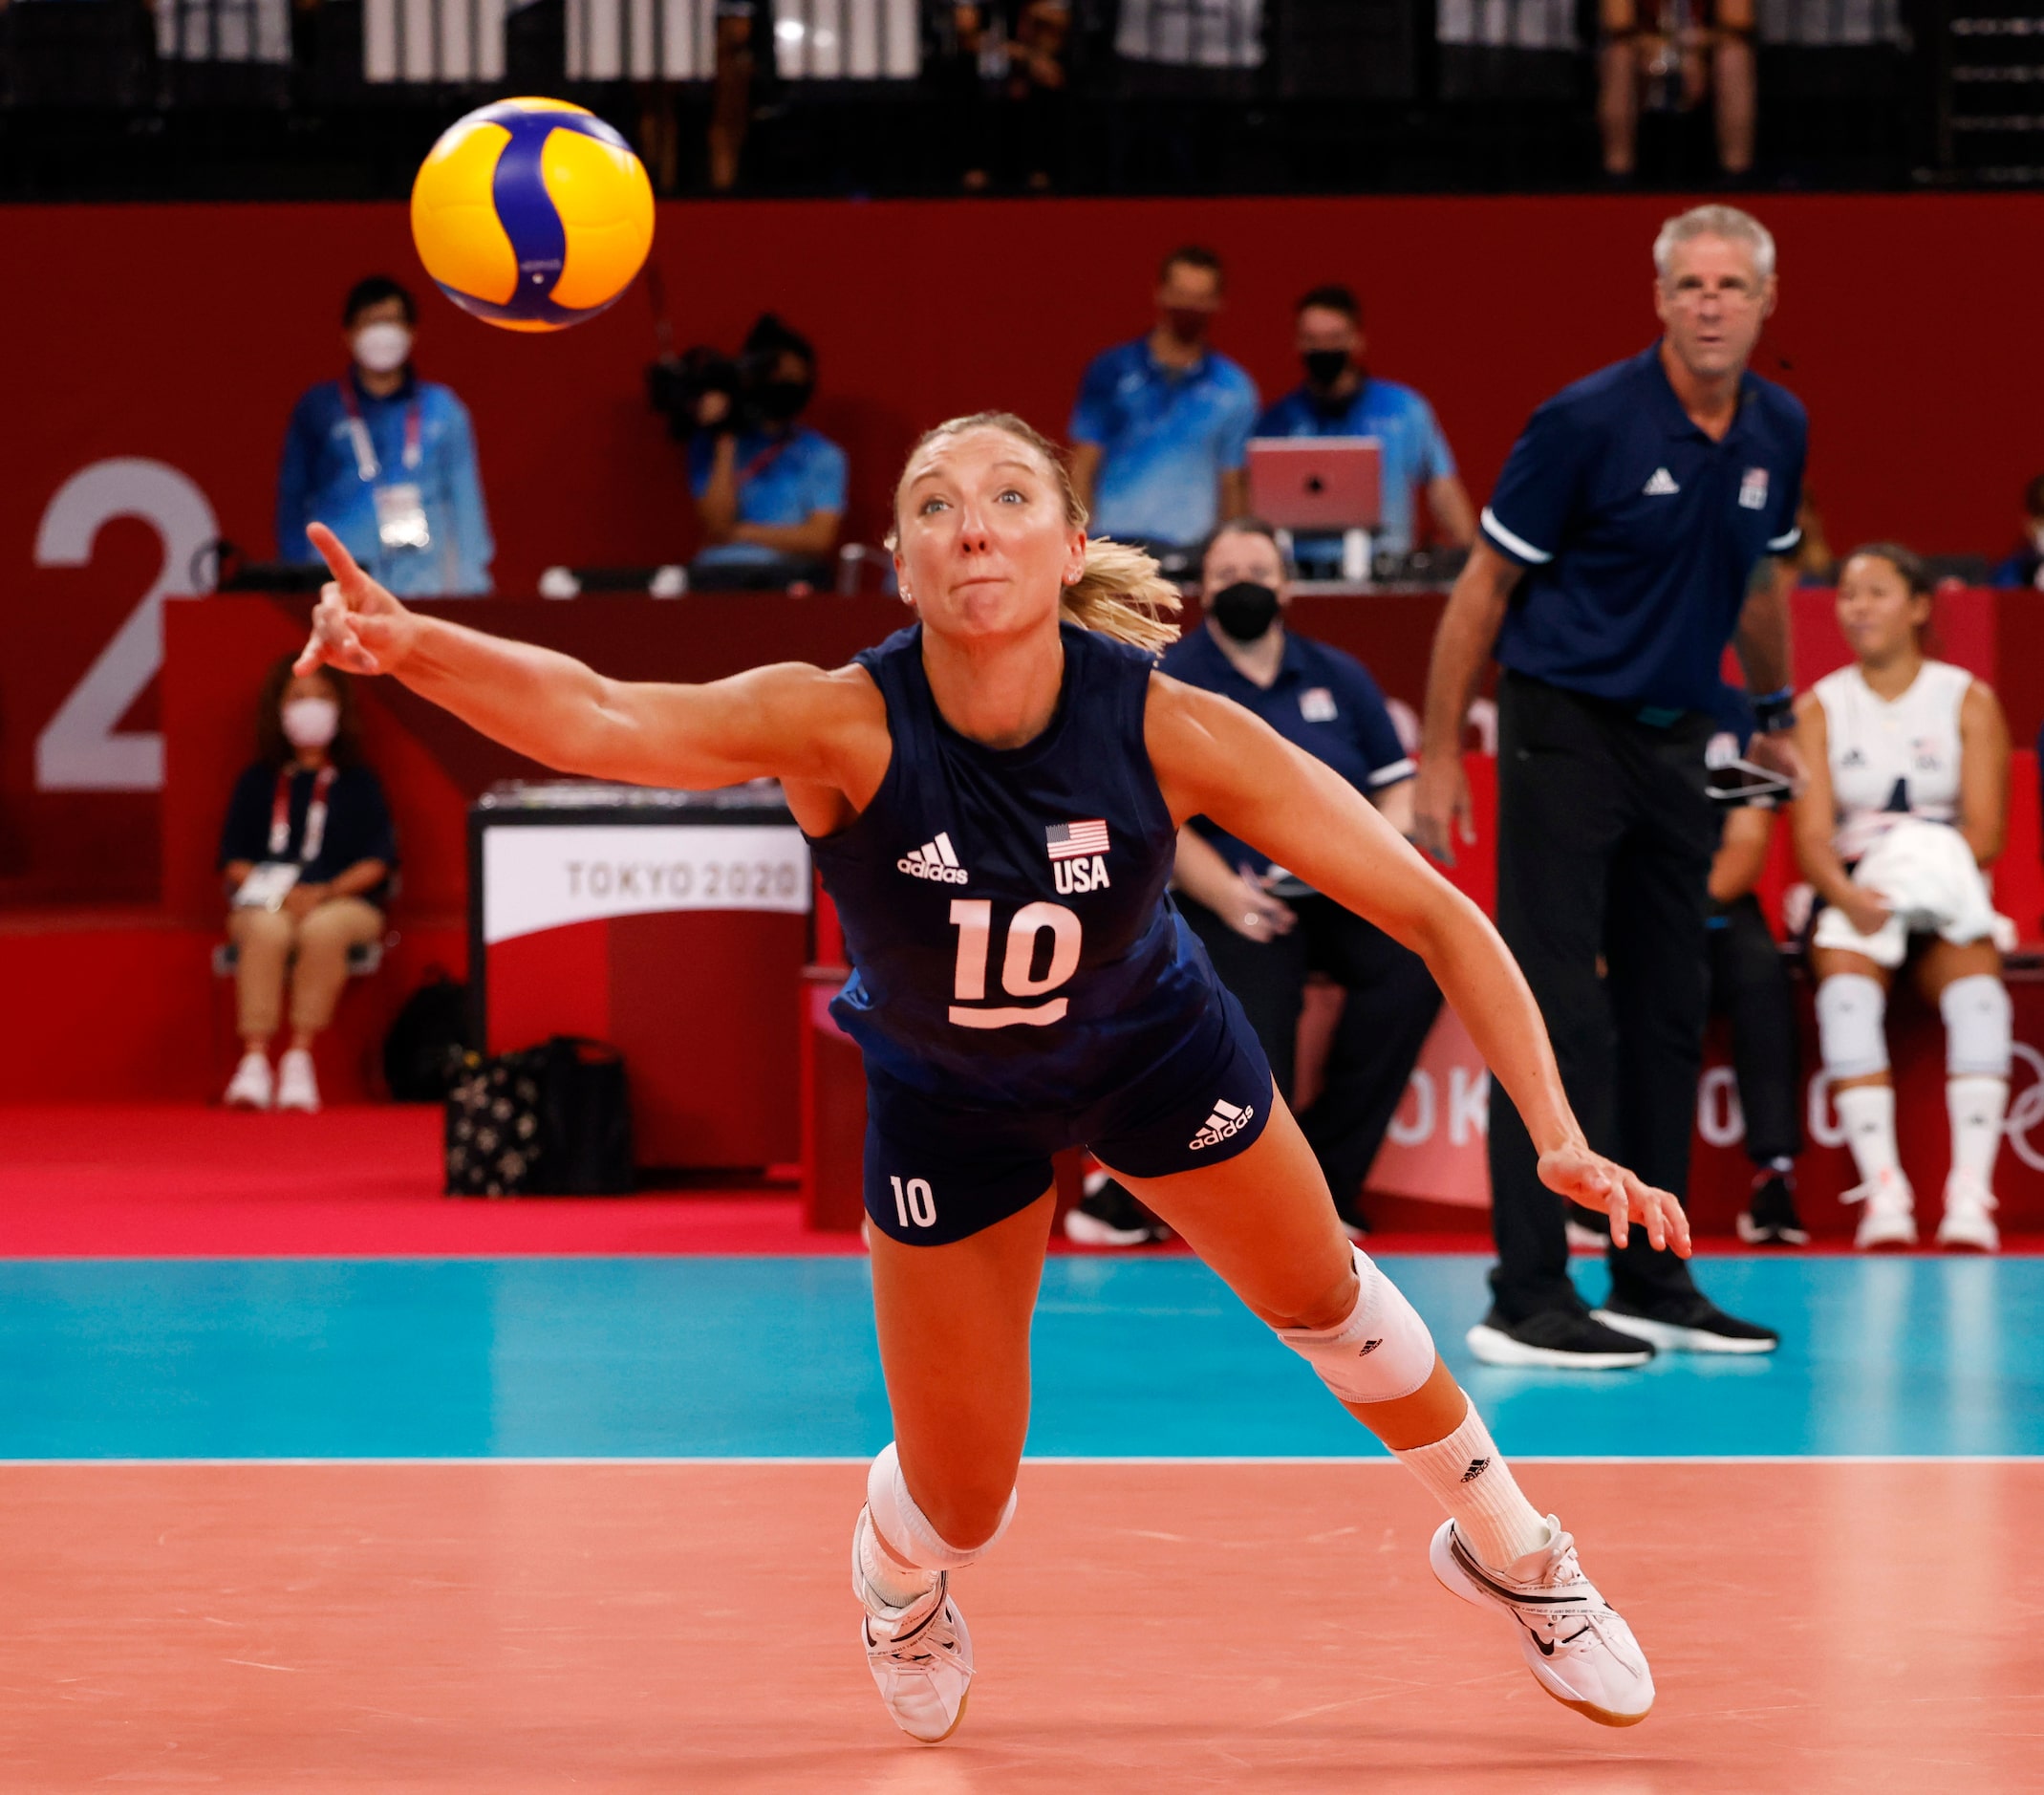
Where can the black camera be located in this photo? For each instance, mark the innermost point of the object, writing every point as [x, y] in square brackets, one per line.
[757, 394]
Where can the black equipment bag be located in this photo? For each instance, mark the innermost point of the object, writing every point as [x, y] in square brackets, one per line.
[424, 1052]
[554, 1120]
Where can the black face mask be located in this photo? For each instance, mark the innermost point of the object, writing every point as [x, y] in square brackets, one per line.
[782, 400]
[1324, 366]
[1245, 610]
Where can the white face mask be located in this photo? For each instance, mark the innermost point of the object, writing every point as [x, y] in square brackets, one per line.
[309, 721]
[382, 348]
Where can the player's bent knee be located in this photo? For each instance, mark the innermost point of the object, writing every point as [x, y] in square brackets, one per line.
[1979, 1022]
[907, 1532]
[1851, 1011]
[1380, 1352]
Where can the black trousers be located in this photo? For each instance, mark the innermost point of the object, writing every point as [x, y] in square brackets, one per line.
[1392, 1002]
[1604, 840]
[1749, 984]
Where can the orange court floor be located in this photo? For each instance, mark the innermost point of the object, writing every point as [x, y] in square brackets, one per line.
[1815, 1626]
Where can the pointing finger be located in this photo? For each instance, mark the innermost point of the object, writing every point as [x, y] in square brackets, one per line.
[339, 562]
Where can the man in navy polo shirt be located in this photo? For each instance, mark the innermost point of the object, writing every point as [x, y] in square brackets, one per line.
[1160, 435]
[1642, 522]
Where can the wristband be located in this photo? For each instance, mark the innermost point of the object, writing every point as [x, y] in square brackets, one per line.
[1775, 712]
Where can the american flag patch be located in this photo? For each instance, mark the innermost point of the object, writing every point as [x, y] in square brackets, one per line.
[1076, 841]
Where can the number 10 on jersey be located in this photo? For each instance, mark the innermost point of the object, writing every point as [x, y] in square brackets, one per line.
[974, 919]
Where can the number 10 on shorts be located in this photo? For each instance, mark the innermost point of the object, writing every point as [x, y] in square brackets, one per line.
[914, 1204]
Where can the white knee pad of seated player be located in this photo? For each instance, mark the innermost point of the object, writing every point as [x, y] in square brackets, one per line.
[907, 1529]
[1851, 1010]
[1381, 1352]
[1978, 1018]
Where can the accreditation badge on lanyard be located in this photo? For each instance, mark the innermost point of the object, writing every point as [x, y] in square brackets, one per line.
[401, 504]
[270, 883]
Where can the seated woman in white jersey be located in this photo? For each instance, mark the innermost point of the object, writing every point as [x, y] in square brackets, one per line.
[1907, 801]
[994, 796]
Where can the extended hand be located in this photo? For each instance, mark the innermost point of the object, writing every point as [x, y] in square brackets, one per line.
[1441, 813]
[1866, 908]
[357, 626]
[1596, 1182]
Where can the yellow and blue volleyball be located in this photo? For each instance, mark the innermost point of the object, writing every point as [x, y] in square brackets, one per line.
[532, 214]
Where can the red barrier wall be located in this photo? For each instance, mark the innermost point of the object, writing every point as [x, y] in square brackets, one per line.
[170, 342]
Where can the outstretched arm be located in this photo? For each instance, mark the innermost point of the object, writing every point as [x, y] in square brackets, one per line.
[1213, 757]
[790, 722]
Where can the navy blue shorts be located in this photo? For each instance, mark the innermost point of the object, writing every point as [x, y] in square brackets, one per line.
[937, 1171]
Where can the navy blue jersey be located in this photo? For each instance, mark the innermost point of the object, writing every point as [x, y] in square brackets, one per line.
[1004, 908]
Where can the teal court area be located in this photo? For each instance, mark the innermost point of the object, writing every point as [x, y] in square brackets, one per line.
[774, 1358]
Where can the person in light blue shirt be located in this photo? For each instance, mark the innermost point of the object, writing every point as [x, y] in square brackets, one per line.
[1342, 398]
[387, 462]
[770, 492]
[1160, 435]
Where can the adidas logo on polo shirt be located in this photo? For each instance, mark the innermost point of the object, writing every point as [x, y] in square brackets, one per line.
[1226, 1120]
[1660, 484]
[935, 860]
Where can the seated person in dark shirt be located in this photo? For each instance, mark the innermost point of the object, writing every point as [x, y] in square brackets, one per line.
[2024, 567]
[307, 854]
[1265, 930]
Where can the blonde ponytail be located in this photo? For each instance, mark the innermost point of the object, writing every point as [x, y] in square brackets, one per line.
[1121, 594]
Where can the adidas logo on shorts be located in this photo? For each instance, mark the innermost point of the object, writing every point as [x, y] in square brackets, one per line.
[1226, 1121]
[935, 860]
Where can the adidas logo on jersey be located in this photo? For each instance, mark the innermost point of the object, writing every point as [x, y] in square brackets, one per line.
[1226, 1121]
[937, 860]
[1662, 485]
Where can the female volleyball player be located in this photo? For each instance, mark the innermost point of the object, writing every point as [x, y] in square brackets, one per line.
[993, 797]
[1908, 800]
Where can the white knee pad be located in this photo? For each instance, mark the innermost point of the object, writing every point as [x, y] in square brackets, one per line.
[907, 1529]
[1380, 1352]
[1977, 1025]
[1850, 1010]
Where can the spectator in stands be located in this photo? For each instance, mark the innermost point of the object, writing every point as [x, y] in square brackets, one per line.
[1265, 930]
[307, 853]
[1342, 398]
[2026, 566]
[387, 462]
[770, 492]
[1160, 433]
[1908, 800]
[1664, 56]
[1750, 987]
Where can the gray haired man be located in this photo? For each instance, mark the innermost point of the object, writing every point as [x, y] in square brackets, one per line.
[1642, 519]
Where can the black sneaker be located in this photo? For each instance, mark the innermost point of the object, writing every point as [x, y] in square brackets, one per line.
[1566, 1339]
[1108, 1215]
[1769, 1218]
[1690, 1323]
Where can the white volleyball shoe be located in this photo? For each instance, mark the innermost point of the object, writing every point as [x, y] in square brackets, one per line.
[1889, 1216]
[1968, 1221]
[252, 1086]
[1576, 1644]
[920, 1654]
[297, 1085]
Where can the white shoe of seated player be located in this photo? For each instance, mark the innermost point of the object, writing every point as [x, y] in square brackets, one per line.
[1968, 1222]
[251, 1088]
[1579, 1648]
[1889, 1218]
[921, 1656]
[297, 1089]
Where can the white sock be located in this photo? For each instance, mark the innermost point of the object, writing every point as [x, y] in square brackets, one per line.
[1867, 1113]
[896, 1585]
[1471, 1480]
[1977, 1105]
